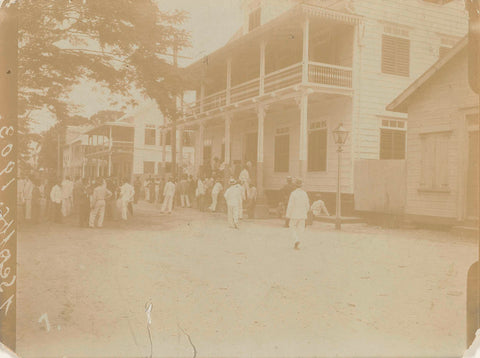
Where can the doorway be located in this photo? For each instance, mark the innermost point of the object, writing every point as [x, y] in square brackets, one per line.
[250, 153]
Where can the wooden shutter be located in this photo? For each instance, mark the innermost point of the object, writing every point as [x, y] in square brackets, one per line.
[441, 160]
[395, 55]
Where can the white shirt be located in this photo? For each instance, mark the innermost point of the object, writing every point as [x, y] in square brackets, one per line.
[56, 194]
[298, 205]
[27, 190]
[200, 187]
[67, 188]
[127, 192]
[217, 188]
[233, 196]
[169, 189]
[244, 176]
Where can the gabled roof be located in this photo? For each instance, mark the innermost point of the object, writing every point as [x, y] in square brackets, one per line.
[400, 104]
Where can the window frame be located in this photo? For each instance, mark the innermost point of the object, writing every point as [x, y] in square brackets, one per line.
[149, 128]
[395, 32]
[317, 126]
[392, 124]
[254, 18]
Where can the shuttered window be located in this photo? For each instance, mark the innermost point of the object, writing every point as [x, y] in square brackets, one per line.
[395, 55]
[254, 19]
[150, 134]
[282, 153]
[392, 144]
[434, 161]
[317, 147]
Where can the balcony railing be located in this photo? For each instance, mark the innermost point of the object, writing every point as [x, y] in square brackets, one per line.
[118, 146]
[320, 74]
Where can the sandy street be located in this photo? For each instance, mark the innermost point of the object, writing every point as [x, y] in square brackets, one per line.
[365, 291]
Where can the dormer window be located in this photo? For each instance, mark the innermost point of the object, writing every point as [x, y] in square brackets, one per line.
[254, 18]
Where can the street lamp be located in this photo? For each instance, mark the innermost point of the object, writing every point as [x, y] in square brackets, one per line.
[340, 136]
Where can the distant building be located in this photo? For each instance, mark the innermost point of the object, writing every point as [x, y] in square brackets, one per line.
[297, 69]
[442, 142]
[130, 146]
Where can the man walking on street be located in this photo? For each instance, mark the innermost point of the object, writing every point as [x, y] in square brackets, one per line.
[83, 199]
[168, 195]
[297, 210]
[100, 194]
[217, 188]
[127, 193]
[233, 197]
[286, 191]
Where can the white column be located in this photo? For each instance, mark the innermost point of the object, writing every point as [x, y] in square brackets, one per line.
[200, 141]
[229, 80]
[110, 152]
[202, 96]
[305, 56]
[262, 67]
[164, 151]
[228, 121]
[303, 148]
[260, 137]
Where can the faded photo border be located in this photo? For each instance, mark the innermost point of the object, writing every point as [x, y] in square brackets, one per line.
[8, 186]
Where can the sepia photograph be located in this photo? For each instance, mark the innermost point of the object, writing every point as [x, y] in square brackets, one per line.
[239, 178]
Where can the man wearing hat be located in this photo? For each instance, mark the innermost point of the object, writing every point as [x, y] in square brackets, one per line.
[285, 192]
[233, 197]
[297, 210]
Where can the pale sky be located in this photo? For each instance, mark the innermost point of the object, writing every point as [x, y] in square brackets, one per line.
[211, 24]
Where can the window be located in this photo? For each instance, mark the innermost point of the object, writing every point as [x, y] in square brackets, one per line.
[434, 160]
[168, 138]
[188, 138]
[149, 167]
[254, 19]
[150, 134]
[317, 146]
[282, 150]
[395, 51]
[393, 139]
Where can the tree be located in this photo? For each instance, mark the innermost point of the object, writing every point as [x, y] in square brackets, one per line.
[119, 43]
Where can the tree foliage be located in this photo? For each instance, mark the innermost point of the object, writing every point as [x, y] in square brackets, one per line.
[118, 43]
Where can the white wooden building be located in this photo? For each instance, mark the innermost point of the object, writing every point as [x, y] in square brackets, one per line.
[133, 145]
[442, 142]
[297, 69]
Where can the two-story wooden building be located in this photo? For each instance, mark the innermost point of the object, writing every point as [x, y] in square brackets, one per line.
[297, 69]
[133, 145]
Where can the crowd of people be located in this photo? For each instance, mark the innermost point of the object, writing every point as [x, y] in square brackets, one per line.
[221, 189]
[92, 200]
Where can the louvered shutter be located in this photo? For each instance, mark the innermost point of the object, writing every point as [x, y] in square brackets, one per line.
[395, 55]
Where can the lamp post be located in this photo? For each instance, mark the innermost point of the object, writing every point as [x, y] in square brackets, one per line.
[340, 136]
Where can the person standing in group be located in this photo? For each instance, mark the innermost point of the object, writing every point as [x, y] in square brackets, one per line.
[56, 197]
[200, 194]
[77, 192]
[297, 210]
[36, 197]
[244, 177]
[151, 190]
[243, 197]
[217, 188]
[100, 194]
[137, 186]
[168, 195]
[285, 192]
[251, 201]
[27, 197]
[67, 193]
[233, 197]
[191, 189]
[127, 193]
[183, 188]
[83, 199]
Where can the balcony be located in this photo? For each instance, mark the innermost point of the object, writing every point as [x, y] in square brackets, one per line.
[319, 75]
[118, 147]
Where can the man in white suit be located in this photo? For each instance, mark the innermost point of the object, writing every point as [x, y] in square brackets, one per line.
[168, 195]
[127, 193]
[297, 211]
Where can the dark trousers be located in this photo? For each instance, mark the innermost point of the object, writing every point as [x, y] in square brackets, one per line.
[130, 208]
[57, 212]
[83, 214]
